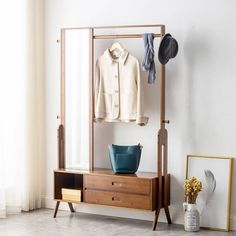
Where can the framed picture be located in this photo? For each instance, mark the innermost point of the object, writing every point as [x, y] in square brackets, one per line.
[214, 201]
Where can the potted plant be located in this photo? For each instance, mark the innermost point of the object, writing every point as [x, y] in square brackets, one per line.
[192, 187]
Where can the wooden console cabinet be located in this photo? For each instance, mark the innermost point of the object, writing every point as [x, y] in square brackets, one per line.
[103, 187]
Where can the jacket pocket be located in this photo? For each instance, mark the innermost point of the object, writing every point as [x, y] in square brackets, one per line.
[104, 103]
[128, 104]
[108, 102]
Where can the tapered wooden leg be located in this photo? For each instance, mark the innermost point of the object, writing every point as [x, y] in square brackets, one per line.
[71, 207]
[155, 219]
[167, 214]
[56, 209]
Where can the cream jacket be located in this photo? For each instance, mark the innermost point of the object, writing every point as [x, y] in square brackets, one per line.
[118, 95]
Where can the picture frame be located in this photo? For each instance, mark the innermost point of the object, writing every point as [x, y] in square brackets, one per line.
[214, 201]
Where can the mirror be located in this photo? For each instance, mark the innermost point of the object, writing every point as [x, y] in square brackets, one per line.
[77, 49]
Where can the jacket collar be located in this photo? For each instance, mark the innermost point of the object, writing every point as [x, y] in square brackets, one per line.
[121, 59]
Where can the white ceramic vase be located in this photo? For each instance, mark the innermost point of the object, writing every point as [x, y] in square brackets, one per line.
[191, 218]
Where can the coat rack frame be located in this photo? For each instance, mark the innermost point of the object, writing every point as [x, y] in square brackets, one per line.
[162, 135]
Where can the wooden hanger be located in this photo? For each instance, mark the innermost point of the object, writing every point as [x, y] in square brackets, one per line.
[115, 46]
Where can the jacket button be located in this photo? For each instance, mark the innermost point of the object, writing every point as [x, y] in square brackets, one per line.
[116, 105]
[116, 91]
[116, 76]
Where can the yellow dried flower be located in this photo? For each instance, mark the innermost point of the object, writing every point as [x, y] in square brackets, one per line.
[192, 188]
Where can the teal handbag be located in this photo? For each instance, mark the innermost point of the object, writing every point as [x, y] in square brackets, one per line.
[125, 159]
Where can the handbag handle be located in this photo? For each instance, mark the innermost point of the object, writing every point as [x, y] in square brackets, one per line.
[141, 146]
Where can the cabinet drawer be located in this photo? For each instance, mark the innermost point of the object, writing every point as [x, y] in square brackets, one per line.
[118, 199]
[118, 184]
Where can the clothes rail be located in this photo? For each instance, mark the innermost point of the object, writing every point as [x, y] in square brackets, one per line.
[117, 27]
[116, 36]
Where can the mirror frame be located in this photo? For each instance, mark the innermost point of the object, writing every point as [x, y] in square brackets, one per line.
[62, 127]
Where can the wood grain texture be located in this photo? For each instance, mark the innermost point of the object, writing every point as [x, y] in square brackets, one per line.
[108, 172]
[91, 100]
[136, 201]
[118, 184]
[159, 170]
[122, 36]
[154, 190]
[62, 116]
[61, 147]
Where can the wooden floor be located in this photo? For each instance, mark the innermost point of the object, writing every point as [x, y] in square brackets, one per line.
[42, 223]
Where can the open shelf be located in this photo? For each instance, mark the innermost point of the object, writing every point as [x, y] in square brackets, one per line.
[66, 180]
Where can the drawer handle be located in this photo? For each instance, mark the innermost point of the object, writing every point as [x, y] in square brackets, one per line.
[116, 184]
[115, 199]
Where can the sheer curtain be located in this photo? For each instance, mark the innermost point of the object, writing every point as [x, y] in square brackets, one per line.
[21, 105]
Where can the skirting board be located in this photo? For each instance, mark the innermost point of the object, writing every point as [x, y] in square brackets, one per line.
[175, 212]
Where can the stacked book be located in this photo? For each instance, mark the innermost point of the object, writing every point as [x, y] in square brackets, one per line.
[71, 195]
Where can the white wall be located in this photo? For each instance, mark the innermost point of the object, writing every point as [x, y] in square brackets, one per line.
[201, 98]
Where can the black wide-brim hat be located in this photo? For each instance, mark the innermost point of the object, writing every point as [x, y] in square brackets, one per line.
[168, 49]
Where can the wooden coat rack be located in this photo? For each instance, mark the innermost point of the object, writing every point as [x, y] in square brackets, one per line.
[162, 136]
